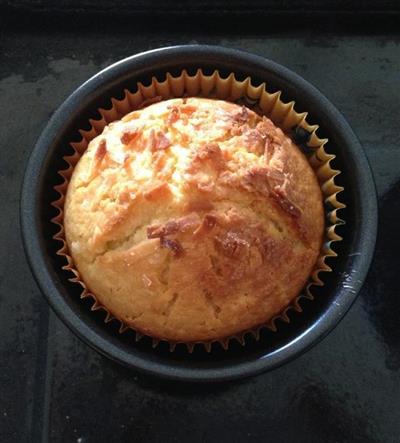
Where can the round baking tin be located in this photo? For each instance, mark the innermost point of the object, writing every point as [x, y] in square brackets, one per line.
[274, 348]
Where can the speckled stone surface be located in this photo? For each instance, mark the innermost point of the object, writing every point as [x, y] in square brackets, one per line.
[55, 388]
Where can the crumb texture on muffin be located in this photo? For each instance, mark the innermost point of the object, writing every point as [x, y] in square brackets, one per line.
[193, 219]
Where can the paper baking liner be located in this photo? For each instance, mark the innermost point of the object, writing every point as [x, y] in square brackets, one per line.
[254, 97]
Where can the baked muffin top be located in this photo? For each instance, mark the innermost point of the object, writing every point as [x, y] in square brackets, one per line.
[193, 219]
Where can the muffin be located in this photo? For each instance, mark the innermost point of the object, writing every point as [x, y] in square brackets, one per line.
[193, 219]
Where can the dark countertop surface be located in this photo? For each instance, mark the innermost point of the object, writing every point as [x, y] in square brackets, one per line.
[55, 388]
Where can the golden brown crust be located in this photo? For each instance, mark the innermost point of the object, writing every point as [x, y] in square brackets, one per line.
[194, 219]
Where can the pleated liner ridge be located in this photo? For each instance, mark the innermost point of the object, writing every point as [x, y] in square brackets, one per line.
[261, 101]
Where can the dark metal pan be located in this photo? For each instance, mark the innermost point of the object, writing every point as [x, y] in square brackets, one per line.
[274, 348]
